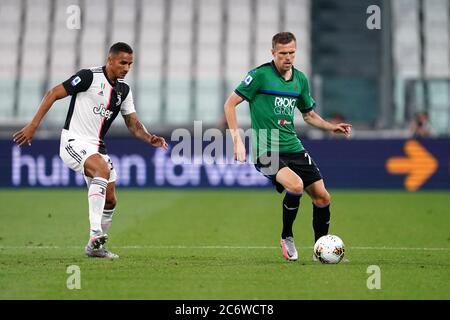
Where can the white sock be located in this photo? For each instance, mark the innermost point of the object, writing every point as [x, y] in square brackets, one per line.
[96, 199]
[107, 219]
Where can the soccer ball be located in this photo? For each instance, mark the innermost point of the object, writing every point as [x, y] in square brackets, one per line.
[329, 249]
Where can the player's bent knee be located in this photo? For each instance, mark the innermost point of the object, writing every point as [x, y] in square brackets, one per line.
[323, 200]
[295, 188]
[95, 166]
[103, 172]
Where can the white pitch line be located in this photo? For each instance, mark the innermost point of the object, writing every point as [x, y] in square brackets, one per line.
[222, 247]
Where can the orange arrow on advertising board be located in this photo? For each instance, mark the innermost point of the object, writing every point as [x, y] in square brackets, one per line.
[418, 165]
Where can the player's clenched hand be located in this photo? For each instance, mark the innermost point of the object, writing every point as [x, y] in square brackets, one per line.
[239, 151]
[25, 135]
[344, 128]
[159, 142]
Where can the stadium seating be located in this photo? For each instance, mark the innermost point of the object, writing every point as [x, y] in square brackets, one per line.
[436, 50]
[190, 54]
[10, 24]
[437, 44]
[34, 57]
[406, 46]
[176, 93]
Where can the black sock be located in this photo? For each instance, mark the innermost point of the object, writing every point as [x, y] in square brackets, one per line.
[291, 203]
[321, 221]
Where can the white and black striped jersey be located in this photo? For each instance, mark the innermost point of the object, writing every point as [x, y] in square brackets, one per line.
[95, 103]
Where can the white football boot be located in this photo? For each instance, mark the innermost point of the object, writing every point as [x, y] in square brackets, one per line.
[100, 253]
[288, 248]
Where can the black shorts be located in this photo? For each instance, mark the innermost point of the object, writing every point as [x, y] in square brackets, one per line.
[299, 162]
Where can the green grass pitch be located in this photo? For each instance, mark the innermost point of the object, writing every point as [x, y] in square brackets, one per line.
[223, 244]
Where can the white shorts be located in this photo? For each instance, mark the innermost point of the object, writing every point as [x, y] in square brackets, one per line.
[74, 151]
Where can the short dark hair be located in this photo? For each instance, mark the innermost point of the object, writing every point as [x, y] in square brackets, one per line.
[283, 38]
[120, 47]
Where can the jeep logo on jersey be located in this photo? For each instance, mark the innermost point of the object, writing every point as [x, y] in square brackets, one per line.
[284, 106]
[101, 110]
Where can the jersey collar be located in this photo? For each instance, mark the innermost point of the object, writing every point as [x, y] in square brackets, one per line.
[272, 63]
[106, 76]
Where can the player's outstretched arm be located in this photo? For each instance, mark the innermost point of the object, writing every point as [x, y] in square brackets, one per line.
[315, 120]
[25, 135]
[230, 114]
[138, 130]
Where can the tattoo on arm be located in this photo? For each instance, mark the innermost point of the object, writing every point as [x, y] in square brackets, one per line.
[127, 119]
[137, 128]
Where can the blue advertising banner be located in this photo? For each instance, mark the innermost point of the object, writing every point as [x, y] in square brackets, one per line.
[369, 164]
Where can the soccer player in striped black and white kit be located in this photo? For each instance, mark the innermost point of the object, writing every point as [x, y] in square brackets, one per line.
[98, 96]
